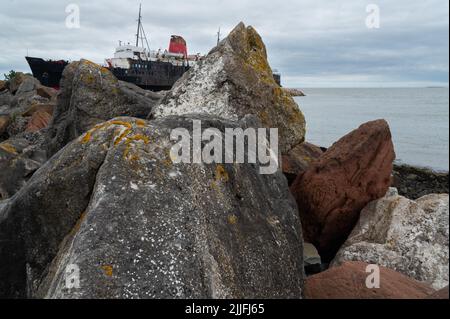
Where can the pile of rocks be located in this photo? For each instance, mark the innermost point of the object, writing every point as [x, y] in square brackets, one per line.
[355, 220]
[26, 109]
[294, 92]
[92, 190]
[111, 202]
[25, 106]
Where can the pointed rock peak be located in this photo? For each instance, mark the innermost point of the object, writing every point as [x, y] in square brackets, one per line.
[232, 81]
[246, 43]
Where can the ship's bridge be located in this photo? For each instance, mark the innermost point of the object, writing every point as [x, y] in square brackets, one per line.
[130, 52]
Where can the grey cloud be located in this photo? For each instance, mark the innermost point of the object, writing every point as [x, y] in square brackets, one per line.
[313, 43]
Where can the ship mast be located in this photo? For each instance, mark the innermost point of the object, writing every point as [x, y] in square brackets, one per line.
[139, 26]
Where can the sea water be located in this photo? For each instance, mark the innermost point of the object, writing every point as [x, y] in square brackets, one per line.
[418, 118]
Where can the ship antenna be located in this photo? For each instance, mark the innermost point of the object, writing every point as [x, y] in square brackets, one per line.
[218, 36]
[139, 26]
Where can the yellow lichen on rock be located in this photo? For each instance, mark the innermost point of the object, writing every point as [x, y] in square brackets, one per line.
[221, 174]
[125, 133]
[122, 136]
[140, 123]
[285, 100]
[232, 219]
[108, 270]
[256, 56]
[8, 148]
[138, 137]
[89, 79]
[123, 123]
[129, 140]
[86, 138]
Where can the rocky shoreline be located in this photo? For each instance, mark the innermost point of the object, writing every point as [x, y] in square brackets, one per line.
[294, 92]
[415, 182]
[88, 182]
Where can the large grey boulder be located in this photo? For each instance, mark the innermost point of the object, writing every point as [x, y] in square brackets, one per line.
[15, 82]
[408, 236]
[91, 94]
[28, 84]
[136, 225]
[234, 80]
[5, 99]
[19, 159]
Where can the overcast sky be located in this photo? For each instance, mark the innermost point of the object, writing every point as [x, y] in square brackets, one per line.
[313, 43]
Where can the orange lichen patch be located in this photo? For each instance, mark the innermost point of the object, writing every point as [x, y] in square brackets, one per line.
[129, 140]
[232, 219]
[8, 148]
[123, 123]
[122, 136]
[167, 162]
[95, 65]
[221, 174]
[138, 137]
[125, 133]
[140, 123]
[100, 126]
[87, 137]
[126, 152]
[108, 270]
[134, 158]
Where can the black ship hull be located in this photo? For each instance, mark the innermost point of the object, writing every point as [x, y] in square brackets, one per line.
[156, 76]
[49, 73]
[151, 75]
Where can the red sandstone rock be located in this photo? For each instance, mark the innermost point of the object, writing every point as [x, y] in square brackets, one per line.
[335, 188]
[39, 120]
[3, 85]
[46, 92]
[299, 158]
[441, 294]
[49, 107]
[348, 281]
[4, 122]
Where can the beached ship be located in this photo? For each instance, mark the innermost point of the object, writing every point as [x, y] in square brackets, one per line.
[149, 69]
[48, 72]
[153, 70]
